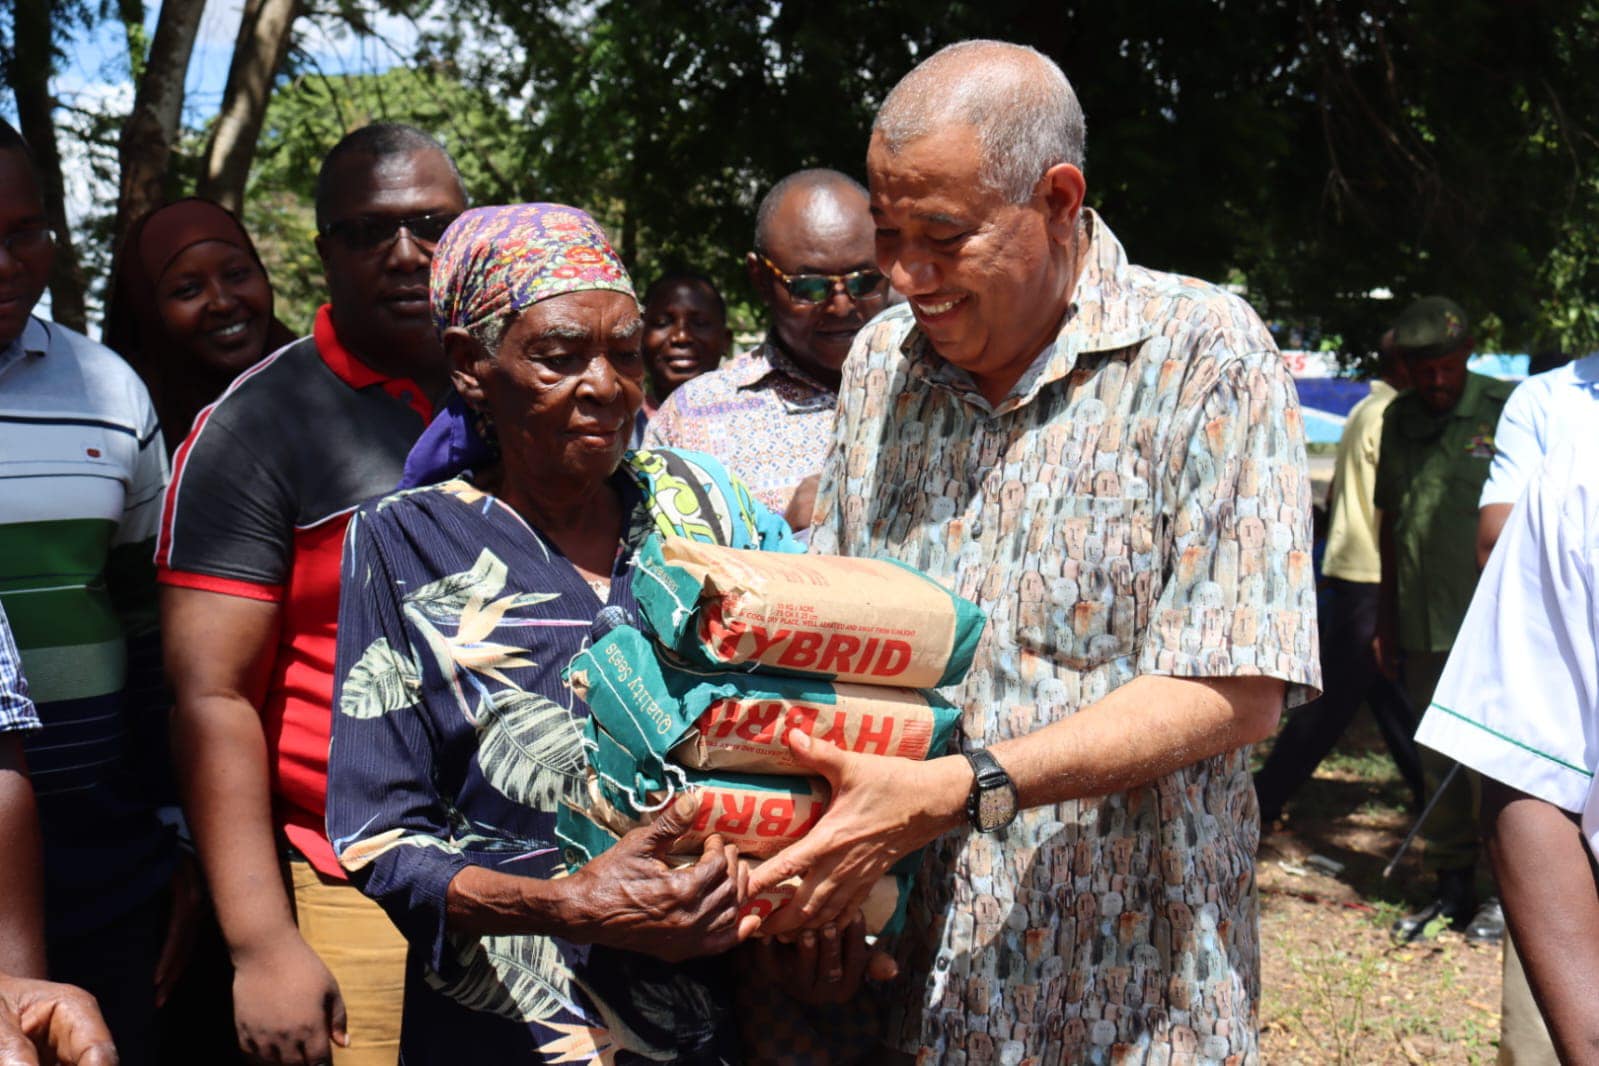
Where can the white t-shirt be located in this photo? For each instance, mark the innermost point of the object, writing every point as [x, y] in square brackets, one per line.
[1519, 698]
[1543, 411]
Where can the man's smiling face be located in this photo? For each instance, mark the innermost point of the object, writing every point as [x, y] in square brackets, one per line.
[988, 279]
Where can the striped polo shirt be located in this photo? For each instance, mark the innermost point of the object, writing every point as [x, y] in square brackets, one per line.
[82, 470]
[261, 492]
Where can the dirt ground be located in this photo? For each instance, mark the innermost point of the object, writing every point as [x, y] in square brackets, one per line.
[1335, 988]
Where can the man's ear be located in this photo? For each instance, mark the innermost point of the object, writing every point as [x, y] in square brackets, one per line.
[1064, 190]
[760, 277]
[468, 362]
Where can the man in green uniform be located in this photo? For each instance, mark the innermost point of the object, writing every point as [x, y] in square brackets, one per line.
[1437, 446]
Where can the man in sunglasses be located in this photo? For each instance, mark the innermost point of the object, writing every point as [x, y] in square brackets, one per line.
[249, 562]
[769, 413]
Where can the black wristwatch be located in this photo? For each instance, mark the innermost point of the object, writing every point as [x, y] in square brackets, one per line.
[991, 805]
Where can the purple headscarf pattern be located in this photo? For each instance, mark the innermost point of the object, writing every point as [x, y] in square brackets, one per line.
[491, 262]
[496, 260]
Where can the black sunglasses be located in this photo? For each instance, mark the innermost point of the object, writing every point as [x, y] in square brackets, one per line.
[817, 288]
[366, 234]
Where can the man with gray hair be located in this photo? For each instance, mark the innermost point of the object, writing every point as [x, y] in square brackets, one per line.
[1109, 460]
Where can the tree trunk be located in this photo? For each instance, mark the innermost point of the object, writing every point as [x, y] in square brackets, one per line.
[258, 53]
[30, 80]
[145, 147]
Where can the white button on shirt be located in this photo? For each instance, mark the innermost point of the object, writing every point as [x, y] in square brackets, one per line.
[1542, 412]
[1519, 699]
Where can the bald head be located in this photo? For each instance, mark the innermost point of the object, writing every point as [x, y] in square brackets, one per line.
[816, 222]
[813, 198]
[1025, 113]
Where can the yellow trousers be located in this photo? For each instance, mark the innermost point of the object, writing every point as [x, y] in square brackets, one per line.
[365, 953]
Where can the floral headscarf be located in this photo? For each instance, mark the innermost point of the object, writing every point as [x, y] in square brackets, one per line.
[493, 263]
[496, 261]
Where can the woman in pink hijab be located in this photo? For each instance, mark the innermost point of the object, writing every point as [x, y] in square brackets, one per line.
[191, 308]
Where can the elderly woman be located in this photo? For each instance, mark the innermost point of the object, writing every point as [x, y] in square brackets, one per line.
[455, 740]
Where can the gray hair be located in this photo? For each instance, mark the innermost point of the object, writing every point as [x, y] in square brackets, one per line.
[490, 332]
[1024, 110]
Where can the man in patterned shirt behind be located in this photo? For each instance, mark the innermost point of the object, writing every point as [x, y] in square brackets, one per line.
[769, 413]
[1110, 461]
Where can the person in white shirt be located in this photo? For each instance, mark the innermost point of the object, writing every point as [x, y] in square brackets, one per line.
[1542, 411]
[1519, 702]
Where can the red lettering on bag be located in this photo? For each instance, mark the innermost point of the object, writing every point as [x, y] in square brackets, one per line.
[915, 741]
[866, 656]
[815, 815]
[801, 651]
[837, 736]
[875, 740]
[737, 813]
[802, 718]
[759, 905]
[718, 719]
[776, 816]
[760, 721]
[702, 817]
[722, 639]
[835, 660]
[764, 643]
[895, 658]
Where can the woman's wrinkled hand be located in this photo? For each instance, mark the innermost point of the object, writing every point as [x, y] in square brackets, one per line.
[631, 898]
[823, 966]
[41, 1021]
[286, 1005]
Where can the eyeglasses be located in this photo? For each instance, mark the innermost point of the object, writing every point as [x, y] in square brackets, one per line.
[367, 234]
[817, 288]
[28, 241]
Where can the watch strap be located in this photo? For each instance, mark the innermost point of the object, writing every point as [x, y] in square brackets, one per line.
[987, 775]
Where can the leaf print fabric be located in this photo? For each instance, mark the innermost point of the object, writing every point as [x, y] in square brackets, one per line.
[1139, 504]
[381, 681]
[455, 743]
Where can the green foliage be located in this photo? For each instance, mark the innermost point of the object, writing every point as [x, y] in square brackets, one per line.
[1312, 152]
[1318, 151]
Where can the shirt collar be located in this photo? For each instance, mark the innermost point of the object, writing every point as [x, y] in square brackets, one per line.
[1585, 371]
[1470, 396]
[34, 340]
[1106, 314]
[1417, 421]
[358, 375]
[767, 360]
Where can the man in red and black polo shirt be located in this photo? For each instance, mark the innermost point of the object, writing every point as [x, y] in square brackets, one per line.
[249, 562]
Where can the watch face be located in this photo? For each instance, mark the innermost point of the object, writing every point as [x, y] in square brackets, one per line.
[995, 808]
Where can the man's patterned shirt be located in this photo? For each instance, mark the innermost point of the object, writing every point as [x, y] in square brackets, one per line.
[1138, 504]
[763, 416]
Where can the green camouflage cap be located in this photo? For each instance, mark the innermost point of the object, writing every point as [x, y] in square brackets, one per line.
[1430, 327]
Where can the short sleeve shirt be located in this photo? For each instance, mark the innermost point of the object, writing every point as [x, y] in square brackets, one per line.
[82, 470]
[1519, 698]
[763, 416]
[1139, 504]
[1543, 410]
[17, 713]
[261, 493]
[1429, 477]
[1352, 553]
